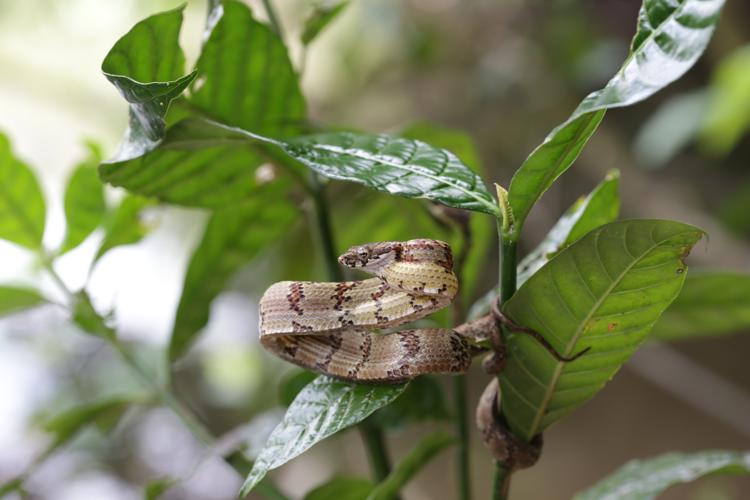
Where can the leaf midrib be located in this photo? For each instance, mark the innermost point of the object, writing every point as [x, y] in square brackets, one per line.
[574, 340]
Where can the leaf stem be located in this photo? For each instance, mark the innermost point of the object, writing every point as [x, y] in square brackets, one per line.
[462, 431]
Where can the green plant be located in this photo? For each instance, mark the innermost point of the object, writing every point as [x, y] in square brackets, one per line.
[232, 137]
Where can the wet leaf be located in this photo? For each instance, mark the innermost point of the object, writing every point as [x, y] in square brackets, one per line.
[671, 36]
[323, 408]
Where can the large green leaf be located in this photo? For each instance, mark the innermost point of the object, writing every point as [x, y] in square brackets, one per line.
[22, 209]
[599, 207]
[232, 237]
[85, 206]
[646, 479]
[342, 488]
[14, 299]
[245, 78]
[404, 167]
[604, 292]
[671, 36]
[323, 408]
[146, 65]
[711, 303]
[407, 467]
[125, 225]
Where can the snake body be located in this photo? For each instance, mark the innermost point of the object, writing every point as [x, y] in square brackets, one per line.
[331, 328]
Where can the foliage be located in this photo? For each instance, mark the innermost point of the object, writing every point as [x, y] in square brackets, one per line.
[645, 479]
[232, 136]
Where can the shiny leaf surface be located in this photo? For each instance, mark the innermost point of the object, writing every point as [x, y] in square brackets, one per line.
[323, 408]
[22, 208]
[671, 36]
[603, 292]
[646, 479]
[403, 167]
[710, 303]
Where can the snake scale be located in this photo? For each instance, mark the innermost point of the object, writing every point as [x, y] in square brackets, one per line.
[331, 328]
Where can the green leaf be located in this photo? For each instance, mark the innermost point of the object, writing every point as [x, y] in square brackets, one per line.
[710, 304]
[125, 225]
[245, 78]
[14, 299]
[85, 206]
[403, 167]
[422, 400]
[22, 210]
[321, 17]
[728, 117]
[645, 479]
[407, 467]
[599, 207]
[671, 36]
[146, 65]
[603, 292]
[232, 238]
[155, 489]
[342, 488]
[85, 316]
[323, 408]
[66, 425]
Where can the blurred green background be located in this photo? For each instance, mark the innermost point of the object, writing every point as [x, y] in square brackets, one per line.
[506, 72]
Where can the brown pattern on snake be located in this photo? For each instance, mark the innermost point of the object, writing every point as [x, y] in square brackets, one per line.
[331, 321]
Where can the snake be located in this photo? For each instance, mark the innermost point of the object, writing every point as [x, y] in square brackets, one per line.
[341, 329]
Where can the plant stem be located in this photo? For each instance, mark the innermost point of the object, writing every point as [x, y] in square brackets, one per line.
[501, 482]
[462, 431]
[374, 441]
[325, 230]
[508, 263]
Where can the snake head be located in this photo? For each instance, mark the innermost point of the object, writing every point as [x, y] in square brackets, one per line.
[371, 256]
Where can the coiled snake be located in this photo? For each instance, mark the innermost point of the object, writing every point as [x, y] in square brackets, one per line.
[328, 327]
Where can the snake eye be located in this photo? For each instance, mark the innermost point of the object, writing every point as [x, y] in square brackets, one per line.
[364, 256]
